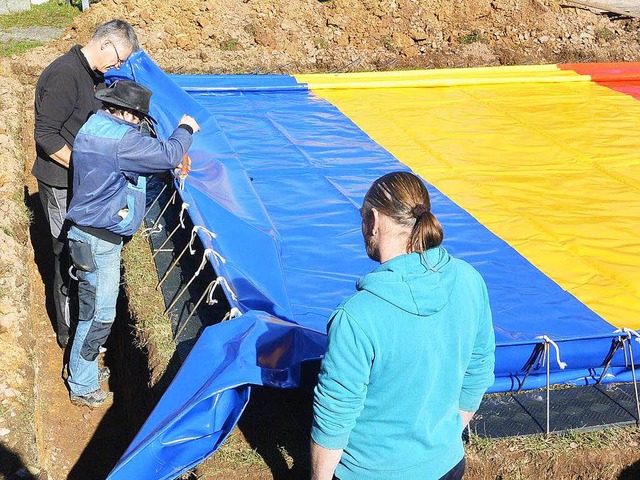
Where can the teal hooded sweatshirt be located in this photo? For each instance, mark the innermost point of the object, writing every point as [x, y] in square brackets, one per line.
[405, 353]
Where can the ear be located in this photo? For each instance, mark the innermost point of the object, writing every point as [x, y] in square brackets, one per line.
[375, 215]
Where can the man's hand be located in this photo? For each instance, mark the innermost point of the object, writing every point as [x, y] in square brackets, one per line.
[62, 156]
[185, 166]
[323, 462]
[188, 120]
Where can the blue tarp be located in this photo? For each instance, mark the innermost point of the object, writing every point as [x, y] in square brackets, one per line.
[278, 176]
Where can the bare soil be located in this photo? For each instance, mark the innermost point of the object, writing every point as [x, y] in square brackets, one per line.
[41, 434]
[308, 35]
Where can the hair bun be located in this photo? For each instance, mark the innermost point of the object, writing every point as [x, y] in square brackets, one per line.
[419, 210]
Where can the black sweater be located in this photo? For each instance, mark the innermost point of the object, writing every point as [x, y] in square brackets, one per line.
[64, 100]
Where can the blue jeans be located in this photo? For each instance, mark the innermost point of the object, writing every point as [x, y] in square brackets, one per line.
[97, 264]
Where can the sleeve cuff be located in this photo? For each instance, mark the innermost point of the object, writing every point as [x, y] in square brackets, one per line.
[469, 402]
[186, 127]
[328, 442]
[52, 146]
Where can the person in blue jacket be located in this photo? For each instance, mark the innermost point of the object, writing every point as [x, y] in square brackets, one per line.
[111, 156]
[409, 355]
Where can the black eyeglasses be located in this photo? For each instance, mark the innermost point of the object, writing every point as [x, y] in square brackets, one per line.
[119, 60]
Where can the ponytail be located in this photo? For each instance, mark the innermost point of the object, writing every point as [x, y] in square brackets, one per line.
[403, 197]
[426, 233]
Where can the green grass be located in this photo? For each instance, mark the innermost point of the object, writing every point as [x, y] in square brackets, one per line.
[556, 443]
[229, 45]
[605, 34]
[320, 42]
[16, 47]
[153, 327]
[50, 14]
[472, 37]
[387, 42]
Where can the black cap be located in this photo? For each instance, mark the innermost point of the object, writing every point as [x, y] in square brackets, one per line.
[127, 94]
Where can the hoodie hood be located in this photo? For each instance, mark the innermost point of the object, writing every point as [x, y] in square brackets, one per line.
[418, 283]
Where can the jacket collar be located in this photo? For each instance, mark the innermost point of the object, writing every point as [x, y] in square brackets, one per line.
[97, 77]
[113, 118]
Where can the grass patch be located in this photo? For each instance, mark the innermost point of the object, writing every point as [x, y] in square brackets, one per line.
[16, 47]
[234, 456]
[387, 43]
[604, 454]
[557, 443]
[50, 14]
[320, 42]
[25, 216]
[153, 328]
[471, 37]
[231, 44]
[238, 453]
[605, 35]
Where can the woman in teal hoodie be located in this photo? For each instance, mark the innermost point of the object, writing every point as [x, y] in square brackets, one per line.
[409, 356]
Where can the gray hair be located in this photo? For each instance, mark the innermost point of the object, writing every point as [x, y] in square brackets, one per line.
[119, 31]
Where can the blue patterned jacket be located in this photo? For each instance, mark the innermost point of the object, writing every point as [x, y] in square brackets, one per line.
[110, 159]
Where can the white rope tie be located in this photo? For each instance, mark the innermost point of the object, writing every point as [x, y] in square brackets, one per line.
[219, 258]
[630, 332]
[220, 281]
[151, 230]
[157, 226]
[193, 236]
[185, 205]
[203, 262]
[546, 339]
[194, 231]
[214, 285]
[233, 313]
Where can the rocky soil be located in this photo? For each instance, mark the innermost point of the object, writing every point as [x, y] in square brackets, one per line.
[348, 35]
[17, 422]
[261, 36]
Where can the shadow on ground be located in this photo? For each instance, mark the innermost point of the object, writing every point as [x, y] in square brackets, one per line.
[42, 249]
[11, 465]
[278, 421]
[632, 472]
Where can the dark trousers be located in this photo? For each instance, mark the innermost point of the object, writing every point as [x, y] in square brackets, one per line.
[54, 204]
[456, 473]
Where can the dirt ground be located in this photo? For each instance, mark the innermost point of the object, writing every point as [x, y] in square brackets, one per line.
[308, 35]
[41, 435]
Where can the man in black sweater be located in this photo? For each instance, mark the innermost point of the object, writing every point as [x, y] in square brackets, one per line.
[64, 100]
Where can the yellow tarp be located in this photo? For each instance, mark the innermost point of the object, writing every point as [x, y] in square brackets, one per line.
[545, 159]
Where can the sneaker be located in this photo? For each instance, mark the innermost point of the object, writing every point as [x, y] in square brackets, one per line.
[103, 374]
[92, 399]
